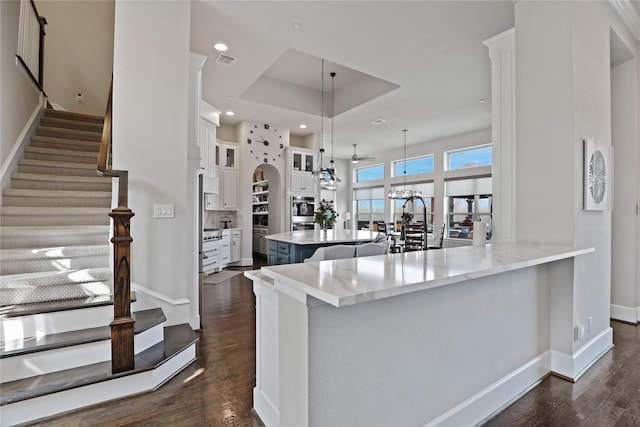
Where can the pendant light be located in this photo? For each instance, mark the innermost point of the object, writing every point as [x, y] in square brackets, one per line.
[404, 193]
[333, 180]
[322, 172]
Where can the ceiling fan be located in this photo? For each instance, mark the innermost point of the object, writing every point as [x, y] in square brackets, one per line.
[355, 158]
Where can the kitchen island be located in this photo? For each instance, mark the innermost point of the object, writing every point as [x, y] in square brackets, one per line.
[420, 338]
[294, 246]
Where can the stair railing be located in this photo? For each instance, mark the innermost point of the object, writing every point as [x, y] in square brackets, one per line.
[122, 333]
[31, 41]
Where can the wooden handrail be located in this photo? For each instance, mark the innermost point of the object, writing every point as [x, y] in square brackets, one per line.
[122, 333]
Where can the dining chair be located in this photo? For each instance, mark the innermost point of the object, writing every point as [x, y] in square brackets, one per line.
[414, 237]
[441, 239]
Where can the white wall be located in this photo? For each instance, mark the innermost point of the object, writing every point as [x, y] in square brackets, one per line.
[563, 96]
[19, 97]
[251, 156]
[638, 189]
[78, 53]
[624, 136]
[150, 108]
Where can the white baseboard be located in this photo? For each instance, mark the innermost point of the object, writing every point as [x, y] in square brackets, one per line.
[497, 396]
[177, 311]
[244, 262]
[10, 164]
[265, 409]
[573, 366]
[625, 314]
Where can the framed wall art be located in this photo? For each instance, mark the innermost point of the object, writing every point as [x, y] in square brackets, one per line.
[598, 176]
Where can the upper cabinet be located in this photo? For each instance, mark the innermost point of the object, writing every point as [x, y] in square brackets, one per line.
[228, 160]
[207, 139]
[300, 164]
[225, 161]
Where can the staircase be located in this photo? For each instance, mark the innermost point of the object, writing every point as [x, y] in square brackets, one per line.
[55, 284]
[54, 219]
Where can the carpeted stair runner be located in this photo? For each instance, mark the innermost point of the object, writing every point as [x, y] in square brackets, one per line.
[54, 223]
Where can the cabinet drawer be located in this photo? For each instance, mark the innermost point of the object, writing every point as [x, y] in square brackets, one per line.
[283, 248]
[272, 245]
[236, 234]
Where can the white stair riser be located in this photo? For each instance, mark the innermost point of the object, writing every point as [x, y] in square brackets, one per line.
[37, 325]
[45, 362]
[60, 264]
[57, 403]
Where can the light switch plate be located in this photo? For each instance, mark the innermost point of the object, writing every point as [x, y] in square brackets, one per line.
[163, 211]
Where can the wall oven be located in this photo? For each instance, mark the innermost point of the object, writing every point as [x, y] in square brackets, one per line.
[302, 210]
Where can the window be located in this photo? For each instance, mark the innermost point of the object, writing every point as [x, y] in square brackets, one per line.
[415, 166]
[414, 207]
[369, 206]
[469, 158]
[468, 200]
[370, 173]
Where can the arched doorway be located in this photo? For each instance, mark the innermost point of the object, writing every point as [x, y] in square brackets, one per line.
[266, 206]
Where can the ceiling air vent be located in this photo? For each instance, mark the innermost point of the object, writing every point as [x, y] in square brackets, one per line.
[225, 59]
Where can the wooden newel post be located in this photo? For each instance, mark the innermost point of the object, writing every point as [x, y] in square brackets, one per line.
[122, 333]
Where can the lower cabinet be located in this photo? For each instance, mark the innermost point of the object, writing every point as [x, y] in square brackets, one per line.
[279, 252]
[236, 238]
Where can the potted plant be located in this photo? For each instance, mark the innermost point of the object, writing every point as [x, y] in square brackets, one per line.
[325, 215]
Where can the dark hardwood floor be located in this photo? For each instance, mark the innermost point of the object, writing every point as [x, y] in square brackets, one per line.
[217, 389]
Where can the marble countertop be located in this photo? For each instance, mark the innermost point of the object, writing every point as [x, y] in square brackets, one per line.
[353, 280]
[312, 237]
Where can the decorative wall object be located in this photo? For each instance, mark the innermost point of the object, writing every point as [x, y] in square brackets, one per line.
[598, 176]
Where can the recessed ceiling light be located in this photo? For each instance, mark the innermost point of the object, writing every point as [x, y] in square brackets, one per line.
[378, 121]
[297, 26]
[303, 126]
[482, 101]
[229, 113]
[220, 47]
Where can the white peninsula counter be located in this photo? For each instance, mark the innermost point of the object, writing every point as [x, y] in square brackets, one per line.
[422, 338]
[295, 246]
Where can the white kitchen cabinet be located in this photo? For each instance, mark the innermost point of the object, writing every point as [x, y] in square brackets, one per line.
[229, 189]
[236, 238]
[226, 169]
[300, 165]
[302, 183]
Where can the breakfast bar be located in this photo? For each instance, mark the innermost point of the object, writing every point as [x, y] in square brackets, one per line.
[422, 338]
[294, 246]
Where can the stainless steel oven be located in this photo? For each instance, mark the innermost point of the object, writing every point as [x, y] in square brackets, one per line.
[302, 211]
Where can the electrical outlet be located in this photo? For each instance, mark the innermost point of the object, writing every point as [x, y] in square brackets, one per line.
[79, 97]
[163, 211]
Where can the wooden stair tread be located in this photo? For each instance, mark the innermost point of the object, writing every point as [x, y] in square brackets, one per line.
[176, 339]
[143, 320]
